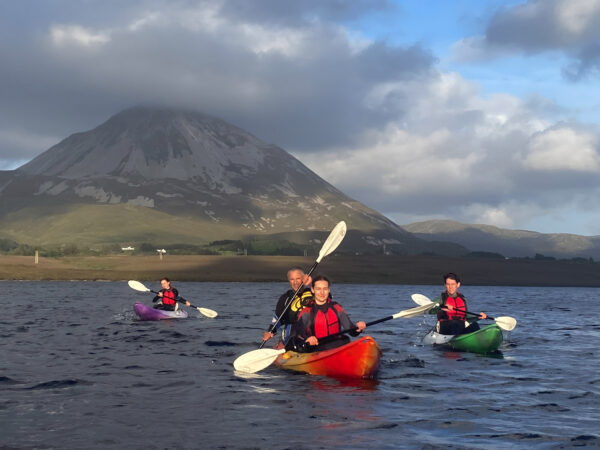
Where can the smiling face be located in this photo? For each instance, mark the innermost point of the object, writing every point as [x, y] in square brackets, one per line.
[452, 286]
[321, 291]
[295, 279]
[165, 284]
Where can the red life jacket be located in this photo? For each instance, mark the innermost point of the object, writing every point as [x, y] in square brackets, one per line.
[169, 297]
[324, 323]
[456, 302]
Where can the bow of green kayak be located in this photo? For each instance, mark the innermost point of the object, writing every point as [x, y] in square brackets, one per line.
[485, 340]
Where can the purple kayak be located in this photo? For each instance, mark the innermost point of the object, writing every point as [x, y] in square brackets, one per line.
[145, 312]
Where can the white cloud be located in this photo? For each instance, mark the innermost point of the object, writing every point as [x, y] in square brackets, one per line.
[563, 148]
[75, 34]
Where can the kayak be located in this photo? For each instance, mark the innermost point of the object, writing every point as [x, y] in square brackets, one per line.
[484, 340]
[145, 312]
[357, 359]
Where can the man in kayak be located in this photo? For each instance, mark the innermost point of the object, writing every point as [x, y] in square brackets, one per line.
[323, 318]
[168, 297]
[451, 315]
[296, 277]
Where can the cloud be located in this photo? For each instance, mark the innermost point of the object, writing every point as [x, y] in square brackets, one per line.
[382, 122]
[537, 26]
[458, 154]
[563, 148]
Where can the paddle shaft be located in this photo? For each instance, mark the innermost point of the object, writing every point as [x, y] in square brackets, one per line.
[289, 302]
[350, 330]
[181, 299]
[471, 313]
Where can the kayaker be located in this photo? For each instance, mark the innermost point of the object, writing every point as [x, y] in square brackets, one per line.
[168, 296]
[296, 277]
[451, 310]
[322, 318]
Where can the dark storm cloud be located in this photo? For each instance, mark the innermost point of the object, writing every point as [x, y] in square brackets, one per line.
[310, 96]
[551, 25]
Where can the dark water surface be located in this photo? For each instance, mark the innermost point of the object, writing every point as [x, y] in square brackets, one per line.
[77, 370]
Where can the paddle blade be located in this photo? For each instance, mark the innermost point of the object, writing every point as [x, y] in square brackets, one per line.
[420, 299]
[414, 312]
[333, 240]
[137, 286]
[256, 360]
[506, 322]
[207, 312]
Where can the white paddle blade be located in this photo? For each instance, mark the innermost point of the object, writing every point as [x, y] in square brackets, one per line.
[333, 240]
[256, 359]
[420, 299]
[506, 322]
[137, 286]
[414, 312]
[207, 312]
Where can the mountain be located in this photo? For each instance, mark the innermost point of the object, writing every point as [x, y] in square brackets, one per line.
[518, 243]
[167, 176]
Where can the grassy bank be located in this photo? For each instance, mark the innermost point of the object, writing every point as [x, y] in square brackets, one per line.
[341, 268]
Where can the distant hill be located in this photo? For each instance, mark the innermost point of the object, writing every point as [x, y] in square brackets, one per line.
[517, 243]
[165, 176]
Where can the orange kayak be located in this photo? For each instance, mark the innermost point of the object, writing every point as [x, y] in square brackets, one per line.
[357, 359]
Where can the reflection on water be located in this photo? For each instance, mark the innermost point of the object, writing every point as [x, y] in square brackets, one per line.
[77, 370]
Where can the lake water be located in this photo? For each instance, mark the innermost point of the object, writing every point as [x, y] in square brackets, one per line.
[78, 371]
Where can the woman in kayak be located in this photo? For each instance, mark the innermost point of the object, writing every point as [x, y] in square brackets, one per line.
[452, 307]
[322, 318]
[168, 297]
[290, 308]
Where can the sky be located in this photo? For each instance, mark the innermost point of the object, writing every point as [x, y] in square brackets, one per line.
[477, 111]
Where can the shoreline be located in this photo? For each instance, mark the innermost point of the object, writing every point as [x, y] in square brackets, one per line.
[368, 269]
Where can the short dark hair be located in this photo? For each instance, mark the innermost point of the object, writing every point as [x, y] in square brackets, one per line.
[452, 276]
[321, 278]
[166, 279]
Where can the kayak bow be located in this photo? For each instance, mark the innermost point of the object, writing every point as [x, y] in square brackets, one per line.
[145, 312]
[357, 359]
[483, 341]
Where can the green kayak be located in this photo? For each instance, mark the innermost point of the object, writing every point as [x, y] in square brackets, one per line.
[484, 340]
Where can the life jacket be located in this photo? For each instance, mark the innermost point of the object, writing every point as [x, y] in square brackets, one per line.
[323, 322]
[457, 302]
[300, 301]
[169, 297]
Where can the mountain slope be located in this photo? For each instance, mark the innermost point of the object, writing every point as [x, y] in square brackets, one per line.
[507, 242]
[163, 175]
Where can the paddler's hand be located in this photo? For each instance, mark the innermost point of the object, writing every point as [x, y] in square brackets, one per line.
[360, 326]
[307, 280]
[187, 303]
[267, 335]
[160, 293]
[482, 315]
[312, 340]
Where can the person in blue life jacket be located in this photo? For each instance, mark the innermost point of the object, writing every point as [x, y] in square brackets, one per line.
[451, 309]
[168, 297]
[321, 319]
[296, 278]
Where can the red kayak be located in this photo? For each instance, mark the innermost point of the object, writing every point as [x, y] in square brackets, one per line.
[357, 359]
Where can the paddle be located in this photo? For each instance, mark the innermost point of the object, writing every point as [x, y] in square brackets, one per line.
[256, 360]
[136, 285]
[333, 241]
[505, 322]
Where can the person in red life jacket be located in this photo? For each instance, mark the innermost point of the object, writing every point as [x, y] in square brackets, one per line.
[168, 296]
[451, 310]
[296, 277]
[323, 318]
